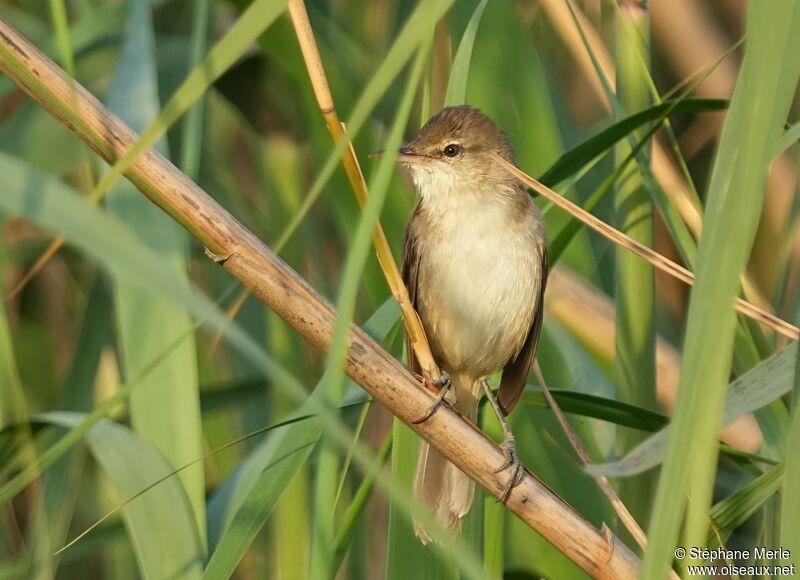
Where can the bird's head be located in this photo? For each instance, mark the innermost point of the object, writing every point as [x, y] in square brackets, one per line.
[452, 153]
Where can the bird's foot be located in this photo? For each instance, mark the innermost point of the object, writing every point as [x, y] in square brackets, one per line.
[445, 385]
[512, 464]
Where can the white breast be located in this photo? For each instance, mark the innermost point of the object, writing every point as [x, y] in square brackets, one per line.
[479, 281]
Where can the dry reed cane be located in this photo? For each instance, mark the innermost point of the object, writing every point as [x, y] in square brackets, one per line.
[319, 82]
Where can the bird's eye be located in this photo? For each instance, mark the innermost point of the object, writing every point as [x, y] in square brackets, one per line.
[452, 150]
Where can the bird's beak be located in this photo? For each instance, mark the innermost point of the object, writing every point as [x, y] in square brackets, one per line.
[404, 155]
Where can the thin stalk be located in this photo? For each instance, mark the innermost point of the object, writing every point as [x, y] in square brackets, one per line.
[319, 81]
[290, 528]
[192, 130]
[662, 263]
[621, 510]
[345, 534]
[635, 360]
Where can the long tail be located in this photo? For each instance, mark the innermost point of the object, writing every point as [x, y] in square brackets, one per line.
[439, 483]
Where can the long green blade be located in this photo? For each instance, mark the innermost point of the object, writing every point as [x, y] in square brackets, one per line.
[165, 409]
[769, 75]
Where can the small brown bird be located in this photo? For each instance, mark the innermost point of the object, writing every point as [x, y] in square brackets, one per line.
[475, 264]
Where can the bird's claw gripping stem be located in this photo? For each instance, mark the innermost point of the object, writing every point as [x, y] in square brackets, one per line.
[445, 385]
[509, 447]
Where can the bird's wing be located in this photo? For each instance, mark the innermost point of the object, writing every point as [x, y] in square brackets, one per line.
[410, 273]
[515, 373]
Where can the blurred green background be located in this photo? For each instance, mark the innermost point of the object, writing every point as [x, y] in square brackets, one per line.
[578, 86]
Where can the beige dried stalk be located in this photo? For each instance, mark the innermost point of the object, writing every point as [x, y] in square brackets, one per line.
[662, 263]
[598, 552]
[570, 22]
[616, 502]
[316, 73]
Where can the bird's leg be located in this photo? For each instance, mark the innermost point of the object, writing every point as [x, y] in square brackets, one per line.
[509, 446]
[445, 385]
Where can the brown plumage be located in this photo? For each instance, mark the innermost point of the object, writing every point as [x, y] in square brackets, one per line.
[475, 264]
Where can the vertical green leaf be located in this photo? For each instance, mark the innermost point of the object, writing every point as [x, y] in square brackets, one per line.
[494, 513]
[192, 134]
[635, 361]
[333, 382]
[62, 481]
[14, 408]
[406, 557]
[165, 409]
[790, 506]
[758, 110]
[457, 83]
